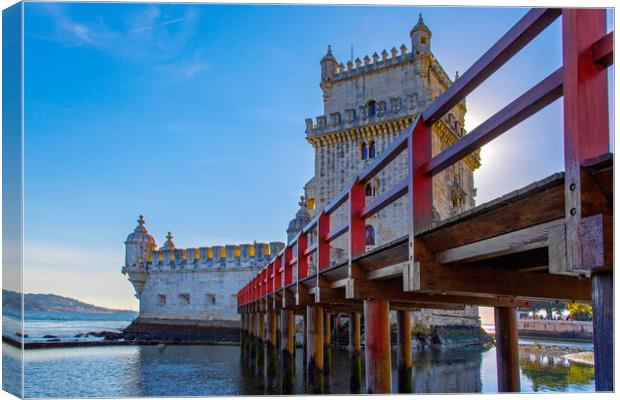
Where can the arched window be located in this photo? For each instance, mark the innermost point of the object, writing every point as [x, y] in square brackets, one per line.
[372, 108]
[423, 40]
[369, 190]
[370, 235]
[364, 151]
[371, 150]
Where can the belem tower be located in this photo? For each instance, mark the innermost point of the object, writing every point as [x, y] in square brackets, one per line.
[367, 103]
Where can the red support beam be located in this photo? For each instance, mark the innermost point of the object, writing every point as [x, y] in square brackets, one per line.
[278, 270]
[323, 243]
[586, 116]
[302, 259]
[357, 224]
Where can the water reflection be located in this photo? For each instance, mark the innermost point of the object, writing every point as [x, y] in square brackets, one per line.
[137, 371]
[554, 373]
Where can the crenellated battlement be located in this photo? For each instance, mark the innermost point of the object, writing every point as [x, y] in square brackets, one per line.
[227, 256]
[367, 65]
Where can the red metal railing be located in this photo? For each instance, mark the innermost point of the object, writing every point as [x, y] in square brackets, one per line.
[587, 51]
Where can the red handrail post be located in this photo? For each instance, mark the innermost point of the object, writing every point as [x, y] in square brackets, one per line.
[357, 225]
[302, 259]
[322, 242]
[420, 193]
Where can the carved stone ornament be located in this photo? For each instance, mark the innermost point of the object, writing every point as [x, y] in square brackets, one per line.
[396, 104]
[363, 112]
[309, 125]
[335, 117]
[350, 113]
[381, 108]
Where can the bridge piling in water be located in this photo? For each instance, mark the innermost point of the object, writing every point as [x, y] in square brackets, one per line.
[270, 351]
[315, 378]
[507, 350]
[405, 360]
[287, 350]
[377, 349]
[355, 355]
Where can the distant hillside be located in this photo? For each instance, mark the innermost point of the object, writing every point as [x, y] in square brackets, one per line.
[50, 303]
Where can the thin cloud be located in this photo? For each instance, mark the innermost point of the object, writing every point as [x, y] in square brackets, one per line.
[149, 27]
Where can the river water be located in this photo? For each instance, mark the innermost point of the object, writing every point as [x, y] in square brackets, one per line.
[131, 371]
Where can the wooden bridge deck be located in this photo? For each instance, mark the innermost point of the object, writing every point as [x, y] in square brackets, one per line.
[549, 240]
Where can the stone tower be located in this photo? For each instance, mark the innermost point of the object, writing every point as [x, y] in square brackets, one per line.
[367, 104]
[138, 247]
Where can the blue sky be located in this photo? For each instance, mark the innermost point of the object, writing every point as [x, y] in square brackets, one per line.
[193, 115]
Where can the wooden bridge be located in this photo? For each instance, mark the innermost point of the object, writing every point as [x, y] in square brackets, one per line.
[550, 240]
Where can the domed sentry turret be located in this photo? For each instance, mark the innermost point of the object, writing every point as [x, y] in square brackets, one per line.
[420, 38]
[329, 65]
[302, 218]
[138, 247]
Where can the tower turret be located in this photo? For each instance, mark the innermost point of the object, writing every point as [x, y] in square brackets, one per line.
[420, 38]
[138, 247]
[169, 244]
[302, 218]
[329, 65]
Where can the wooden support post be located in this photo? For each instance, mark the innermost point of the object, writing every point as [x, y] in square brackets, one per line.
[405, 361]
[315, 381]
[337, 330]
[377, 349]
[260, 344]
[603, 324]
[305, 341]
[586, 117]
[270, 352]
[287, 349]
[507, 350]
[244, 336]
[327, 341]
[355, 356]
[252, 340]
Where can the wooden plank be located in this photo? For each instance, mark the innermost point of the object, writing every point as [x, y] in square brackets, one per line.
[391, 271]
[597, 241]
[478, 281]
[603, 50]
[532, 101]
[526, 29]
[533, 237]
[393, 290]
[534, 204]
[557, 250]
[586, 114]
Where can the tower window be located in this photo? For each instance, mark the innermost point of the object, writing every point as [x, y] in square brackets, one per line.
[369, 190]
[371, 150]
[423, 40]
[161, 299]
[364, 151]
[372, 108]
[184, 299]
[310, 203]
[370, 235]
[210, 300]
